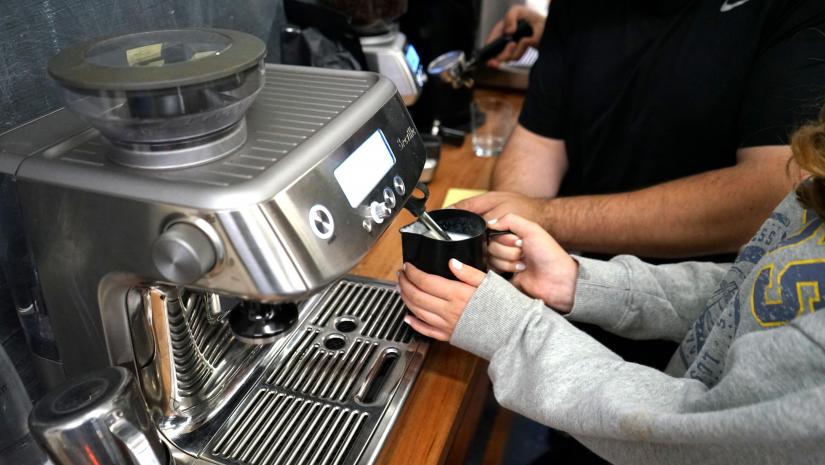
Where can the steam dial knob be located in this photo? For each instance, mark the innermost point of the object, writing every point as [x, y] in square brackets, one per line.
[379, 212]
[183, 253]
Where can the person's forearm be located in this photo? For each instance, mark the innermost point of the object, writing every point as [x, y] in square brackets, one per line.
[637, 300]
[543, 367]
[530, 164]
[712, 212]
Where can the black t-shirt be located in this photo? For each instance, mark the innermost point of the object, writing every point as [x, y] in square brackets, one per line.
[646, 91]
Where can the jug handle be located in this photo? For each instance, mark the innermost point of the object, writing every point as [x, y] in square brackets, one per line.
[491, 233]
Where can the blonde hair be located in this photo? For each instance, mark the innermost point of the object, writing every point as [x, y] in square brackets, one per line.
[808, 145]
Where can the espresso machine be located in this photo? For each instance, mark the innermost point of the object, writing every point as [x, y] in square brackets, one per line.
[193, 213]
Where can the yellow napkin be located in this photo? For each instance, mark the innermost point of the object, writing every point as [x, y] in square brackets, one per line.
[456, 195]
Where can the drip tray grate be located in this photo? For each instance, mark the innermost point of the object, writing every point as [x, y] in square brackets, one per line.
[333, 391]
[276, 428]
[381, 310]
[321, 373]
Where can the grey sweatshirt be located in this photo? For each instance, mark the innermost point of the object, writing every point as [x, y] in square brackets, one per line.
[746, 386]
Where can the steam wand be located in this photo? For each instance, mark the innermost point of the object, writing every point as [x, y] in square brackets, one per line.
[417, 206]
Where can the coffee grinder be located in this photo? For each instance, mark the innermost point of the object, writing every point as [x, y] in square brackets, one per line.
[364, 34]
[365, 29]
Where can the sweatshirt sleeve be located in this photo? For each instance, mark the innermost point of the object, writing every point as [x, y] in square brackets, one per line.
[637, 300]
[769, 406]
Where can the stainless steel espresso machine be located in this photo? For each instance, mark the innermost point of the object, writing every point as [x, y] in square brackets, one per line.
[193, 213]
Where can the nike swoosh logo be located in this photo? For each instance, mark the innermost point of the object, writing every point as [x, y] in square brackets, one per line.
[728, 5]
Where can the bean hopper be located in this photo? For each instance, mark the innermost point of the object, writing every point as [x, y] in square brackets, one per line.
[193, 215]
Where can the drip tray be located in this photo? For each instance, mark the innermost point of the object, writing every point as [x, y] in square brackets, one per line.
[332, 393]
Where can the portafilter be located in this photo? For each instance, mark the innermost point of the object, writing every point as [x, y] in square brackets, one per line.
[454, 68]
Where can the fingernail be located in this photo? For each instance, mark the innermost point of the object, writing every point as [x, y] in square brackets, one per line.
[519, 243]
[520, 266]
[407, 319]
[493, 221]
[404, 267]
[450, 206]
[456, 264]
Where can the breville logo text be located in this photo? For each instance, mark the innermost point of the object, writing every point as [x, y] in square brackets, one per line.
[407, 138]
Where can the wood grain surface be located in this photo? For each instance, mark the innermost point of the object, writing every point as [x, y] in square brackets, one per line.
[444, 406]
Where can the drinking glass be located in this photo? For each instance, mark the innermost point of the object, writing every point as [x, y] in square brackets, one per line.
[492, 122]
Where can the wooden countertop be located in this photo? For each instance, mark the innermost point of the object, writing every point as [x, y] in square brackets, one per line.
[443, 408]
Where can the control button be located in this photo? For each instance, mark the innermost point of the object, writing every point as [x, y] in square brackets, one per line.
[379, 212]
[421, 77]
[398, 184]
[389, 197]
[321, 222]
[183, 253]
[367, 224]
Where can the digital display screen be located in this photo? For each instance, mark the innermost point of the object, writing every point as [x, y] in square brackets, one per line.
[359, 173]
[412, 58]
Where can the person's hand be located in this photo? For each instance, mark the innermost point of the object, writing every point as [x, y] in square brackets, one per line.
[514, 51]
[542, 268]
[437, 303]
[497, 204]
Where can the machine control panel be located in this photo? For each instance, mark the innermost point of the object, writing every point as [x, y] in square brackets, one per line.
[334, 213]
[414, 62]
[359, 175]
[364, 168]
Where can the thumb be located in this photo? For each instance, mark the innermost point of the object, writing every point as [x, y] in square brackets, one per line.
[517, 225]
[466, 273]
